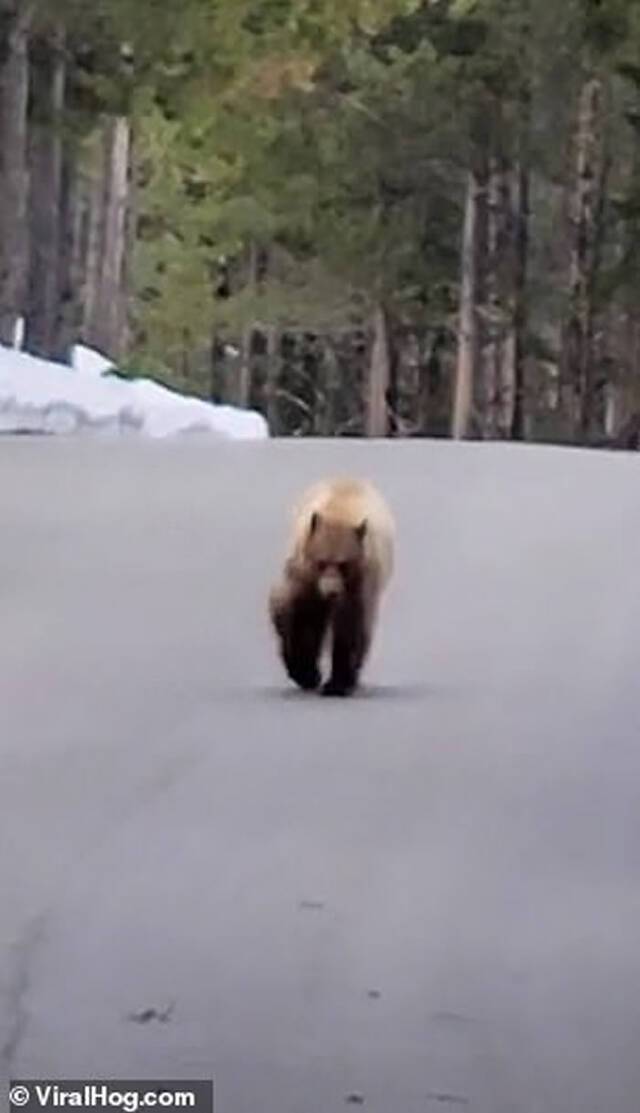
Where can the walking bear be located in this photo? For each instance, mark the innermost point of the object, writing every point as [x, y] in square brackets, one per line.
[338, 563]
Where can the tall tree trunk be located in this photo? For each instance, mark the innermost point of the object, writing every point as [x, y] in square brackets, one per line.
[14, 90]
[243, 386]
[376, 409]
[628, 391]
[516, 427]
[186, 349]
[106, 303]
[219, 370]
[257, 269]
[67, 322]
[217, 375]
[585, 213]
[395, 427]
[331, 383]
[514, 422]
[92, 236]
[496, 323]
[431, 378]
[130, 234]
[504, 308]
[45, 193]
[467, 358]
[272, 378]
[80, 220]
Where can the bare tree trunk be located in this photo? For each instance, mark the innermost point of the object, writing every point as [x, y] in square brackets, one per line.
[585, 212]
[79, 220]
[515, 426]
[395, 424]
[14, 90]
[494, 310]
[504, 308]
[113, 300]
[514, 422]
[105, 313]
[467, 359]
[257, 267]
[46, 157]
[331, 379]
[131, 209]
[272, 380]
[507, 351]
[628, 391]
[93, 238]
[67, 321]
[376, 415]
[431, 379]
[185, 357]
[217, 376]
[612, 410]
[243, 391]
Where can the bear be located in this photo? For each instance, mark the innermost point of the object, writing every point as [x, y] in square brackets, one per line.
[338, 564]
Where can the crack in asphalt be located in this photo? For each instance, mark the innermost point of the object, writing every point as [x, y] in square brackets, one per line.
[20, 978]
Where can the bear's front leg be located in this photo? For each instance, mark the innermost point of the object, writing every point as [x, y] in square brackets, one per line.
[303, 640]
[349, 648]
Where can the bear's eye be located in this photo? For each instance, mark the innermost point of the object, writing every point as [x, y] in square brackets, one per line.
[343, 566]
[322, 565]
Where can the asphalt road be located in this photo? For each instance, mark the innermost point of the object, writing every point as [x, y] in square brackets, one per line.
[427, 896]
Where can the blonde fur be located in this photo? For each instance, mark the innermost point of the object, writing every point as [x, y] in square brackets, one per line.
[341, 505]
[349, 502]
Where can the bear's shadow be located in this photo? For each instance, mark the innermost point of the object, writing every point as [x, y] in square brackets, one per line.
[365, 692]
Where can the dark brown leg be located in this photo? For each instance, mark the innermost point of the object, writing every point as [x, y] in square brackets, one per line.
[350, 644]
[303, 638]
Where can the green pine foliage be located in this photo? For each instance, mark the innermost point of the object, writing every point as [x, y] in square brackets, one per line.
[299, 162]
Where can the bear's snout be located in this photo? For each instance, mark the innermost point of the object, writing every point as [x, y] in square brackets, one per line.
[330, 584]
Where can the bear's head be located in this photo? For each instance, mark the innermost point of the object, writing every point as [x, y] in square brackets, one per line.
[334, 555]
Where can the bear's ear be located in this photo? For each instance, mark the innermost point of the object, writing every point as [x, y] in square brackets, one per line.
[315, 522]
[361, 530]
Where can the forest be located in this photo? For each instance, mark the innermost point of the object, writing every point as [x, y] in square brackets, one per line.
[382, 218]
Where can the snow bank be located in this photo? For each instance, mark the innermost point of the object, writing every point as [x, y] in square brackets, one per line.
[89, 362]
[37, 396]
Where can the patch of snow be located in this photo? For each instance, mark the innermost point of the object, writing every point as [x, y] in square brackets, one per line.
[89, 362]
[37, 396]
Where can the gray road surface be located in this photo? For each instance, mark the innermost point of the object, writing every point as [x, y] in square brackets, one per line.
[429, 895]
